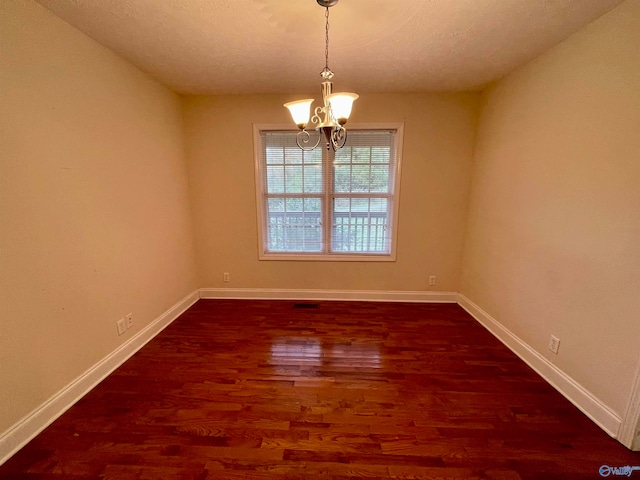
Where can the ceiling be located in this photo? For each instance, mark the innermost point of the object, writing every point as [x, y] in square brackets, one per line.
[277, 46]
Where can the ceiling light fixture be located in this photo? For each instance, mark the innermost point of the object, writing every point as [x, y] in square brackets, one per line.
[330, 119]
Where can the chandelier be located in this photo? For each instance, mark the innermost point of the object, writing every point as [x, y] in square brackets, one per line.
[330, 119]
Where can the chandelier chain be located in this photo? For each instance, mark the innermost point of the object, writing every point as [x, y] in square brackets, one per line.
[326, 33]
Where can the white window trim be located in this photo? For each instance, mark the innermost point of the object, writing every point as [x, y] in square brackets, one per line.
[329, 256]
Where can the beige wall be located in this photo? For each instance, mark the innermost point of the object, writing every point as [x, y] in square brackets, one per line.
[94, 219]
[436, 165]
[553, 243]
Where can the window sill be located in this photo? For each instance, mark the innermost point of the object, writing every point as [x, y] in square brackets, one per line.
[327, 257]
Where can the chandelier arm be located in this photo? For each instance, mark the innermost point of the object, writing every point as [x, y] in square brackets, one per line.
[315, 119]
[338, 138]
[303, 140]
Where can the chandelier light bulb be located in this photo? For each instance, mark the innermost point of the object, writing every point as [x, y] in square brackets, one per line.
[300, 111]
[341, 104]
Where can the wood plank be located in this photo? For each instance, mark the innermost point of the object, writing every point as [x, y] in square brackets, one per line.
[259, 390]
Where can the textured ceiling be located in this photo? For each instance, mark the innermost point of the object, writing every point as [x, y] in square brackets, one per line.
[277, 46]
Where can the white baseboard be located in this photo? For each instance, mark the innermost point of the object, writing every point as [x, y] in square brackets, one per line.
[354, 295]
[630, 429]
[35, 422]
[593, 408]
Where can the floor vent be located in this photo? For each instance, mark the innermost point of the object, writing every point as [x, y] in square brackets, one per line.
[306, 305]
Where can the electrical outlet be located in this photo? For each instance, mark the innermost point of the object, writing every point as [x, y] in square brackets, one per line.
[432, 280]
[129, 320]
[225, 277]
[122, 326]
[554, 344]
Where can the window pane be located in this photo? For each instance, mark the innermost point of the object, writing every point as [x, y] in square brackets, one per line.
[361, 155]
[313, 157]
[360, 178]
[275, 205]
[360, 225]
[343, 155]
[378, 205]
[380, 154]
[275, 179]
[293, 204]
[313, 178]
[293, 179]
[275, 156]
[380, 178]
[312, 205]
[342, 178]
[342, 205]
[292, 156]
[294, 225]
[360, 205]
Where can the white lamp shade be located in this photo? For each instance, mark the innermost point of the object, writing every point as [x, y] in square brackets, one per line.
[300, 111]
[341, 104]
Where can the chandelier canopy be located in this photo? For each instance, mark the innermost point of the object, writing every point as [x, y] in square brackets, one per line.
[330, 119]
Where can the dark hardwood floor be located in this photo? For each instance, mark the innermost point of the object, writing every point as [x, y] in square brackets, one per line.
[263, 390]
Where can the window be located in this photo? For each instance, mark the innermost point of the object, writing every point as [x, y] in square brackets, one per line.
[326, 205]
